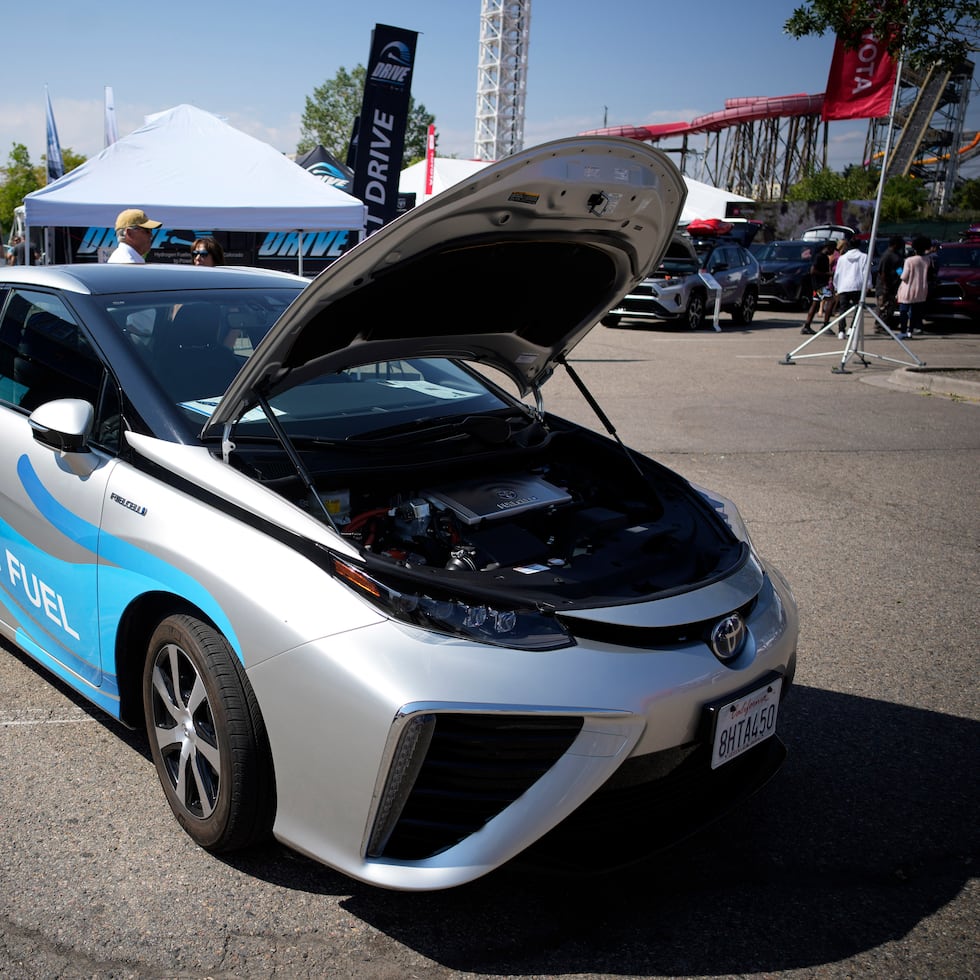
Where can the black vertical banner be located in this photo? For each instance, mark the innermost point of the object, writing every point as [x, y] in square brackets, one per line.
[384, 116]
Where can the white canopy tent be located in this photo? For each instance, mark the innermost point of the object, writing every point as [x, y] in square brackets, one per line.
[188, 169]
[703, 200]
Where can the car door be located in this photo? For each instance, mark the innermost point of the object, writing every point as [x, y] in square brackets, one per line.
[720, 267]
[50, 502]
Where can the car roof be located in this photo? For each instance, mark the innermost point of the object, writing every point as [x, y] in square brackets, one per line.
[97, 278]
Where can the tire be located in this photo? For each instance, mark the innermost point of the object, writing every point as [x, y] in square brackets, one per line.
[207, 736]
[745, 310]
[695, 311]
[610, 320]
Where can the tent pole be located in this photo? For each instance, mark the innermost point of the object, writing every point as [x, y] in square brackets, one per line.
[300, 254]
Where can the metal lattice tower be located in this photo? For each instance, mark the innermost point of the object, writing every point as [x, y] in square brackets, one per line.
[930, 143]
[501, 83]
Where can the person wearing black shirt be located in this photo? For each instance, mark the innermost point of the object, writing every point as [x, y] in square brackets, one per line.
[889, 276]
[820, 283]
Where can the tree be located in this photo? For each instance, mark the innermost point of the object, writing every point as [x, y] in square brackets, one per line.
[20, 177]
[967, 198]
[328, 118]
[853, 184]
[929, 31]
[902, 198]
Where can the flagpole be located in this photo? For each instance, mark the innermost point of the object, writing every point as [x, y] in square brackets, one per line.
[881, 176]
[111, 132]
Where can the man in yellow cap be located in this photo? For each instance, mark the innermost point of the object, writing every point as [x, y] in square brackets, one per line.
[135, 233]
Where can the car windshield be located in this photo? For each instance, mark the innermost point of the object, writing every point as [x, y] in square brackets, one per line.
[194, 344]
[959, 258]
[676, 265]
[786, 252]
[375, 401]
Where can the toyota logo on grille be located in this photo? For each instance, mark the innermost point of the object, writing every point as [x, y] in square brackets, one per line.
[727, 637]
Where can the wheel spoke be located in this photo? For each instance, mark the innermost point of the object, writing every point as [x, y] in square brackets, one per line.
[207, 785]
[211, 755]
[198, 695]
[169, 738]
[181, 785]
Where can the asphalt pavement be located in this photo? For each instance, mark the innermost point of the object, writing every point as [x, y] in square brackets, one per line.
[858, 860]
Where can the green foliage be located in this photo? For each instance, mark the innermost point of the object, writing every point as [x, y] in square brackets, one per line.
[967, 198]
[854, 184]
[328, 118]
[19, 178]
[902, 199]
[929, 31]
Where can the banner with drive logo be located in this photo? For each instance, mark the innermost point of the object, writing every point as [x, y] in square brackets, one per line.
[383, 120]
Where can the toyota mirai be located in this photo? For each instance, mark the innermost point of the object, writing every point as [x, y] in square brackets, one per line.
[325, 543]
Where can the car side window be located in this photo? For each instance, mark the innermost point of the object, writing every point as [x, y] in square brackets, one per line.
[721, 259]
[44, 355]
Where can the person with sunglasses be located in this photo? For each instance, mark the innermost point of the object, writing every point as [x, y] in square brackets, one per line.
[207, 252]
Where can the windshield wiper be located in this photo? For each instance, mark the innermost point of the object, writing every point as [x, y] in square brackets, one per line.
[493, 429]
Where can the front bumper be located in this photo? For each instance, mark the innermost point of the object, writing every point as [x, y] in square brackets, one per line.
[652, 301]
[787, 294]
[520, 741]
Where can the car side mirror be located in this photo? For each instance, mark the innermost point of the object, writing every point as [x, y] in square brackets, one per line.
[64, 425]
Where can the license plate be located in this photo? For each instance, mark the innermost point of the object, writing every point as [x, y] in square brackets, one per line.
[745, 722]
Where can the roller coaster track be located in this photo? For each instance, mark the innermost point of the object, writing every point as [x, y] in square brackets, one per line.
[915, 126]
[759, 146]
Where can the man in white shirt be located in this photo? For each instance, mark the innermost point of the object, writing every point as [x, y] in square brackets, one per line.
[135, 233]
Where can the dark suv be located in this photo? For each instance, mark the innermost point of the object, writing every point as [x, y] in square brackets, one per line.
[736, 271]
[785, 268]
[674, 291]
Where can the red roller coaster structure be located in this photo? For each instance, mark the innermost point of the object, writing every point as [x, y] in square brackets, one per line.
[758, 146]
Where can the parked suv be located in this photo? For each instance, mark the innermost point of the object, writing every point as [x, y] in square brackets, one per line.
[736, 271]
[674, 291]
[955, 293]
[785, 268]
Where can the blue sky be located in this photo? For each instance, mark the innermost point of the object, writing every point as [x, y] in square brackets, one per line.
[622, 61]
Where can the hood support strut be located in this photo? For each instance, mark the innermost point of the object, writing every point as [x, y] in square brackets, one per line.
[597, 408]
[294, 458]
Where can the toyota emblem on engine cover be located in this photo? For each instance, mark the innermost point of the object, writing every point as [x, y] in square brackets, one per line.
[727, 637]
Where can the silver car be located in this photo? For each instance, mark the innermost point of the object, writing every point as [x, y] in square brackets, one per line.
[364, 593]
[674, 290]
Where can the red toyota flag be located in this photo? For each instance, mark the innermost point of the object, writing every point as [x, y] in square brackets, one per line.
[861, 81]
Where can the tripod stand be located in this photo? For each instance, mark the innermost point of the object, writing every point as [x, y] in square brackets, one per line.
[854, 335]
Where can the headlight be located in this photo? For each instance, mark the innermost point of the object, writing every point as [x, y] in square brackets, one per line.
[728, 512]
[455, 615]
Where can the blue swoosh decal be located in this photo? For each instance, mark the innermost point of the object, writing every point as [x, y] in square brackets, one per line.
[118, 573]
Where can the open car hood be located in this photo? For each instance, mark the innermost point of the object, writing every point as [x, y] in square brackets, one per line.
[510, 268]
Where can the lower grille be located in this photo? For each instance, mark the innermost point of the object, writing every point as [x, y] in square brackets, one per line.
[475, 766]
[650, 804]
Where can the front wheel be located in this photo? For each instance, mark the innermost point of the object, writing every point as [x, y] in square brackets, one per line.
[745, 310]
[206, 736]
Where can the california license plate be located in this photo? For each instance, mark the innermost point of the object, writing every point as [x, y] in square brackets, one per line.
[745, 722]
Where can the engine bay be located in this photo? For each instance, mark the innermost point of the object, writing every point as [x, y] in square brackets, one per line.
[578, 520]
